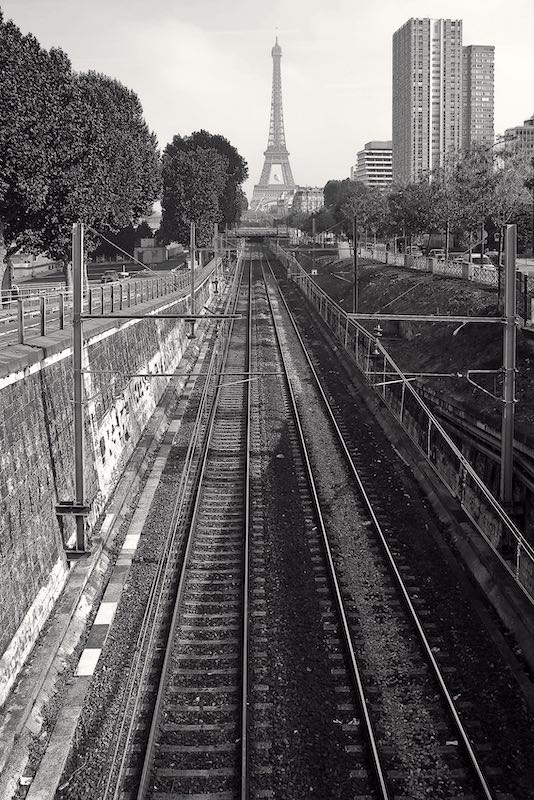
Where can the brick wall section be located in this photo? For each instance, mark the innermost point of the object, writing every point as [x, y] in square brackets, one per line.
[36, 451]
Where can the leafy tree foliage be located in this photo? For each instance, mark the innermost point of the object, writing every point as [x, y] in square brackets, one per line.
[242, 202]
[73, 147]
[193, 181]
[473, 189]
[412, 208]
[230, 201]
[34, 89]
[324, 220]
[231, 198]
[111, 169]
[143, 231]
[128, 238]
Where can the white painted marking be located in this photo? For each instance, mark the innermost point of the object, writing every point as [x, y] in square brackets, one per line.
[107, 523]
[88, 661]
[131, 541]
[106, 612]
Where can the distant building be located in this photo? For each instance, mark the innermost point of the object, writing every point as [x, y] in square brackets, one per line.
[478, 95]
[308, 199]
[427, 96]
[25, 266]
[374, 165]
[150, 253]
[522, 136]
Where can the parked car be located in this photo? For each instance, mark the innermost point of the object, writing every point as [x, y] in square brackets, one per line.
[437, 253]
[476, 260]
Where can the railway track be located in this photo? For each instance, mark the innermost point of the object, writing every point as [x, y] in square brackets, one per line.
[450, 767]
[198, 723]
[360, 707]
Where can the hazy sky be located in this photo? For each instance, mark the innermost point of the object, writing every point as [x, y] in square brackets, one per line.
[207, 64]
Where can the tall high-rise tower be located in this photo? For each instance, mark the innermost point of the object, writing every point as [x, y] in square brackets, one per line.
[427, 95]
[276, 176]
[478, 69]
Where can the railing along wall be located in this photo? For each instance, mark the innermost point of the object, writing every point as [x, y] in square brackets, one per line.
[422, 426]
[41, 312]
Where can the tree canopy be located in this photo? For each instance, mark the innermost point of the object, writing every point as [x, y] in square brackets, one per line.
[216, 190]
[35, 87]
[73, 147]
[193, 181]
[230, 200]
[111, 168]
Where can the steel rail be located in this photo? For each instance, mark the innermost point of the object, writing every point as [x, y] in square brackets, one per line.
[244, 783]
[147, 633]
[504, 518]
[391, 560]
[354, 668]
[144, 783]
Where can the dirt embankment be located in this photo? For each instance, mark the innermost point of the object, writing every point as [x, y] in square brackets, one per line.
[430, 347]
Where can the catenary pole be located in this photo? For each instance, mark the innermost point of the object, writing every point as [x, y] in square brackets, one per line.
[77, 357]
[355, 285]
[509, 364]
[192, 256]
[313, 243]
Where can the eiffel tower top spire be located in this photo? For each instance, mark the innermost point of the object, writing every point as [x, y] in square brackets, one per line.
[276, 177]
[277, 138]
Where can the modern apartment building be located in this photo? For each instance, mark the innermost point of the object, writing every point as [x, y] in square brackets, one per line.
[478, 95]
[427, 95]
[522, 136]
[373, 167]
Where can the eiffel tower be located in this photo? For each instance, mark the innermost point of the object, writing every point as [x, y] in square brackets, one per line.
[276, 176]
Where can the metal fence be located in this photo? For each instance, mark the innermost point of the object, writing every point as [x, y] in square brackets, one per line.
[452, 268]
[423, 428]
[38, 313]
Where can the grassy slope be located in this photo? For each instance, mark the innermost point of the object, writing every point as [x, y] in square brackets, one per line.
[431, 347]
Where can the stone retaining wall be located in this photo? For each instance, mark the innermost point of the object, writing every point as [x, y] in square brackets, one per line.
[36, 450]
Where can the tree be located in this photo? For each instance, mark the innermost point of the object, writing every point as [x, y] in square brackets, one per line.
[109, 163]
[376, 211]
[473, 186]
[73, 147]
[324, 220]
[510, 198]
[35, 87]
[143, 231]
[413, 208]
[231, 196]
[127, 239]
[193, 181]
[335, 193]
[529, 183]
[242, 202]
